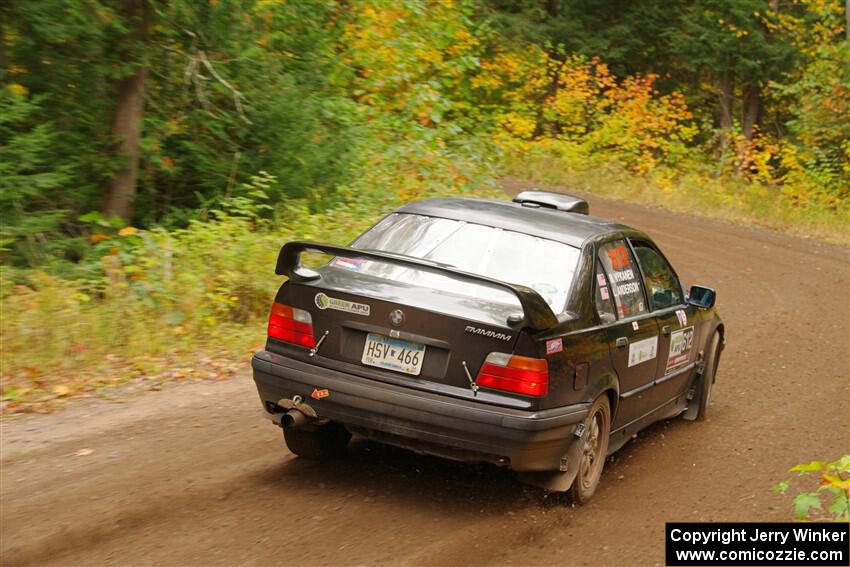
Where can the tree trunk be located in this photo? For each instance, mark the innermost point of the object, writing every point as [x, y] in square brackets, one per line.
[726, 93]
[751, 110]
[127, 121]
[847, 19]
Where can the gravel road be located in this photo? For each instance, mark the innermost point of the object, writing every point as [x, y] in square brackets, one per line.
[194, 475]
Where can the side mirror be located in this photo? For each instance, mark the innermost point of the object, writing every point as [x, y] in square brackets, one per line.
[702, 297]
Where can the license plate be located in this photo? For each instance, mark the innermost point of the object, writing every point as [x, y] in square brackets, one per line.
[393, 354]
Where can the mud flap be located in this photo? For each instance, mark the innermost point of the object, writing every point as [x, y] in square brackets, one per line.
[695, 393]
[557, 481]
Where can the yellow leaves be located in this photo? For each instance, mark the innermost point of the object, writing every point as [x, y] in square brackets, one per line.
[128, 231]
[755, 157]
[98, 237]
[409, 57]
[174, 126]
[519, 126]
[104, 15]
[18, 89]
[836, 481]
[61, 390]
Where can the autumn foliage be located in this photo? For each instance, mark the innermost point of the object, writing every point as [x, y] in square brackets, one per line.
[265, 120]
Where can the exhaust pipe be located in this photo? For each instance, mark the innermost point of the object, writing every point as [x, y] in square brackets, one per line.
[293, 414]
[294, 419]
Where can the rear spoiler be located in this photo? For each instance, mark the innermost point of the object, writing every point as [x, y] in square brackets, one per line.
[537, 315]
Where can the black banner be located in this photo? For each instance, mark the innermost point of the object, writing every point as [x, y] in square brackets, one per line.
[761, 544]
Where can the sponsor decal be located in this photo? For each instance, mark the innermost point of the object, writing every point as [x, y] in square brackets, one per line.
[683, 317]
[486, 333]
[603, 291]
[681, 345]
[635, 326]
[644, 350]
[544, 288]
[325, 302]
[600, 279]
[319, 394]
[349, 263]
[554, 345]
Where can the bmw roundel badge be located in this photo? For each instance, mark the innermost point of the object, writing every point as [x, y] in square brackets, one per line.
[396, 317]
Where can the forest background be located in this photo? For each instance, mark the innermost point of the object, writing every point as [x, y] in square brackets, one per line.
[154, 154]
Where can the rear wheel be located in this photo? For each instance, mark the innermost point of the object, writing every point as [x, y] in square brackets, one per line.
[711, 360]
[319, 442]
[594, 451]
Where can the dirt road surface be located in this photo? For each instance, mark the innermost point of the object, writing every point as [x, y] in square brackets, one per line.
[194, 475]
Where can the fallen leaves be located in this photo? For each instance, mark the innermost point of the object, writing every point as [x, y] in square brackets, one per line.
[61, 390]
[115, 378]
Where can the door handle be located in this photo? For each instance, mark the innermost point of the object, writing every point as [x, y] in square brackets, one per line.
[621, 342]
[665, 330]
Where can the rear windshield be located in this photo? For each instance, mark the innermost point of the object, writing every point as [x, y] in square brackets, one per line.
[543, 265]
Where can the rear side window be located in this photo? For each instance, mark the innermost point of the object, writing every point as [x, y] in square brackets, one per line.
[624, 278]
[602, 293]
[662, 285]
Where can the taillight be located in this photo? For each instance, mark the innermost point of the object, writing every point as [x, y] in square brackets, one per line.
[291, 325]
[511, 373]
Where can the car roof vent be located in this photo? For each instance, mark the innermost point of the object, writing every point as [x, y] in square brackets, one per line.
[552, 200]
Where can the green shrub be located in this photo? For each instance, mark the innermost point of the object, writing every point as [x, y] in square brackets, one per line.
[833, 484]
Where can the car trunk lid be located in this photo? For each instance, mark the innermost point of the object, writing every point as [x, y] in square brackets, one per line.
[375, 326]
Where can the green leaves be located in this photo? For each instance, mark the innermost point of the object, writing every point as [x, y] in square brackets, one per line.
[810, 467]
[834, 482]
[805, 502]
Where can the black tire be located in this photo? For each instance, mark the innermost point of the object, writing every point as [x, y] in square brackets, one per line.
[594, 451]
[318, 443]
[707, 380]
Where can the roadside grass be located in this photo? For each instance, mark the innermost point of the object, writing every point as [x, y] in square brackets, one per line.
[158, 305]
[723, 198]
[183, 304]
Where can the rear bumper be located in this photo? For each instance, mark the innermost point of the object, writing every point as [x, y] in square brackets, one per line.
[423, 421]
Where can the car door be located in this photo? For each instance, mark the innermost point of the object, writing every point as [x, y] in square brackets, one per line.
[632, 332]
[677, 340]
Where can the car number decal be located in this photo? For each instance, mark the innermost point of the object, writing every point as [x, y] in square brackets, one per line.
[681, 345]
